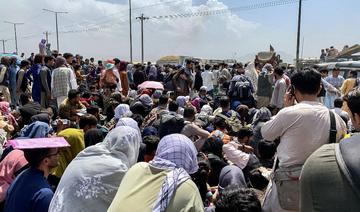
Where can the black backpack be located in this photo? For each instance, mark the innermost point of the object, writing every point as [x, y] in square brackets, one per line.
[242, 88]
[170, 124]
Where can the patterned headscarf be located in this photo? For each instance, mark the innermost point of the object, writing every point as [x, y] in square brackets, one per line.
[177, 153]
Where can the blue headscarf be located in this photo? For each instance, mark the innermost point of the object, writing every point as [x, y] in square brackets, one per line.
[37, 129]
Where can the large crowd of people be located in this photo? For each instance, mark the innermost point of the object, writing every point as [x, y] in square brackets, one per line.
[194, 137]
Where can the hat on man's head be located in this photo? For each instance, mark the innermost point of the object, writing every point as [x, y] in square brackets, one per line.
[38, 143]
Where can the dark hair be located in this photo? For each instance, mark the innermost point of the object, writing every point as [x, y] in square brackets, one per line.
[353, 101]
[224, 101]
[163, 100]
[25, 98]
[87, 120]
[35, 156]
[338, 102]
[213, 145]
[266, 149]
[93, 136]
[307, 81]
[279, 71]
[173, 106]
[257, 180]
[48, 58]
[116, 60]
[324, 70]
[93, 109]
[219, 122]
[72, 94]
[38, 59]
[245, 132]
[24, 63]
[138, 118]
[151, 143]
[354, 73]
[67, 55]
[207, 67]
[237, 199]
[77, 67]
[189, 112]
[200, 178]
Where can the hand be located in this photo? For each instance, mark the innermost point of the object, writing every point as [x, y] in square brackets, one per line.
[289, 100]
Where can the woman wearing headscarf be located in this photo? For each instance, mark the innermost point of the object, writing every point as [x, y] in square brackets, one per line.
[128, 122]
[262, 116]
[121, 111]
[91, 180]
[163, 184]
[181, 102]
[10, 167]
[75, 137]
[93, 136]
[231, 175]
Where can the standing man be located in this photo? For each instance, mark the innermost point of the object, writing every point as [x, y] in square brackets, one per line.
[45, 78]
[264, 86]
[13, 69]
[183, 79]
[34, 71]
[69, 59]
[277, 99]
[31, 191]
[4, 78]
[62, 80]
[335, 80]
[302, 128]
[208, 79]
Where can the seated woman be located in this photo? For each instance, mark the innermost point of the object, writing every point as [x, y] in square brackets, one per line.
[164, 184]
[91, 180]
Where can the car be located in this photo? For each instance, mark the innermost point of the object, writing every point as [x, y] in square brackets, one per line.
[345, 67]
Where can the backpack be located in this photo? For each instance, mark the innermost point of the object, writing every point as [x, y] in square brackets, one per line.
[233, 123]
[170, 124]
[242, 88]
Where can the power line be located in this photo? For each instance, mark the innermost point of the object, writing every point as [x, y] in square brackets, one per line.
[228, 10]
[56, 22]
[14, 23]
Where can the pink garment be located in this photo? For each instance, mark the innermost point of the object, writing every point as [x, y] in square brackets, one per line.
[13, 162]
[5, 110]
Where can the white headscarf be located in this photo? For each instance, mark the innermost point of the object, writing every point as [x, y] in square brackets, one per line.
[128, 122]
[92, 179]
[122, 110]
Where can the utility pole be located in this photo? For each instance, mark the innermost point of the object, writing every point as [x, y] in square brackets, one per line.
[142, 18]
[3, 43]
[13, 23]
[298, 35]
[47, 36]
[130, 24]
[56, 22]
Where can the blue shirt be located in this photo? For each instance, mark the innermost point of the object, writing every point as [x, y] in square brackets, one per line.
[29, 192]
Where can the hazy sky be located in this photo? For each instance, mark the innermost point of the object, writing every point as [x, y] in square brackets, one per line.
[237, 34]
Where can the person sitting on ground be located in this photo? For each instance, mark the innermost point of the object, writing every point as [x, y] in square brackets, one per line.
[165, 180]
[192, 131]
[104, 164]
[31, 191]
[71, 106]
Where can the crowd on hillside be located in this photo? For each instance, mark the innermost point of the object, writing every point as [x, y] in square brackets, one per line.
[193, 137]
